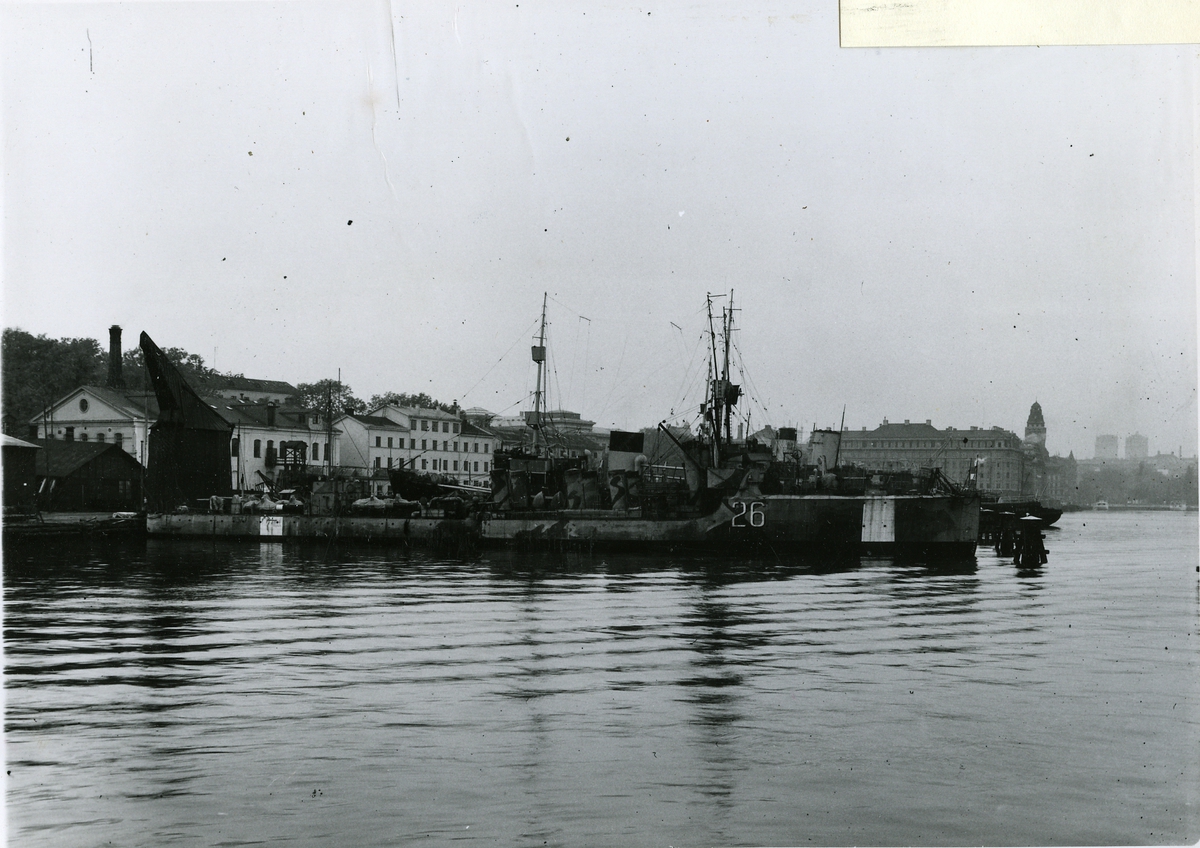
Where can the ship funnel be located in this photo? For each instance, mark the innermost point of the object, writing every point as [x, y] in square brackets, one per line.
[825, 444]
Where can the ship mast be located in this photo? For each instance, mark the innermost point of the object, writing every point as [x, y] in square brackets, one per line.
[725, 373]
[539, 356]
[714, 402]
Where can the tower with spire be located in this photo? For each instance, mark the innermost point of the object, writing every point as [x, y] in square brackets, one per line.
[1035, 427]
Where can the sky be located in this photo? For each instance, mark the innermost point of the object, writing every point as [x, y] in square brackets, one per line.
[389, 190]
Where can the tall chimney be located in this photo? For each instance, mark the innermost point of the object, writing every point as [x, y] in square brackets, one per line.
[270, 413]
[115, 380]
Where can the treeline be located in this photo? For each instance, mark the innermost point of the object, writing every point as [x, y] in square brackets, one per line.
[38, 370]
[331, 394]
[1140, 484]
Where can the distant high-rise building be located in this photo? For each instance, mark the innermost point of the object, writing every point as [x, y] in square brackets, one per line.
[1106, 447]
[1137, 446]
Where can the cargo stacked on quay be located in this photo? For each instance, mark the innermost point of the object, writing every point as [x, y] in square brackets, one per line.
[720, 494]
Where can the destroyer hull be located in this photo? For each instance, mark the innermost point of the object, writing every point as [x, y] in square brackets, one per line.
[930, 524]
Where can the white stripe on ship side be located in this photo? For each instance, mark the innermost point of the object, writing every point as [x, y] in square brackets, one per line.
[879, 520]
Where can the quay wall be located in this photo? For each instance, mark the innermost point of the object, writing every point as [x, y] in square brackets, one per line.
[279, 527]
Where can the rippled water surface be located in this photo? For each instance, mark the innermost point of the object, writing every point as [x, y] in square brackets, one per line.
[177, 693]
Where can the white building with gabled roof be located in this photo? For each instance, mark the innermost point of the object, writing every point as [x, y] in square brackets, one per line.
[99, 414]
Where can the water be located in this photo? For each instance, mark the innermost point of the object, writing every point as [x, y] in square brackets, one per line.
[172, 693]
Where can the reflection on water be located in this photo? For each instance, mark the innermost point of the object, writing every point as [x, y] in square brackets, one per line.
[230, 693]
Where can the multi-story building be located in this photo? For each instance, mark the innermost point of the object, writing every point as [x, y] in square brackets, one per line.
[268, 438]
[1137, 446]
[911, 446]
[369, 443]
[432, 441]
[436, 443]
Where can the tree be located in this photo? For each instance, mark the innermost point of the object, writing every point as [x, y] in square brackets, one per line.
[190, 365]
[404, 399]
[324, 393]
[38, 370]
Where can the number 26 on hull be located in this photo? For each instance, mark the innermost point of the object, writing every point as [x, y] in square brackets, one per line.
[748, 514]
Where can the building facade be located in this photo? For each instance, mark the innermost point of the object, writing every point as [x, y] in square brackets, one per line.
[909, 446]
[369, 443]
[441, 442]
[100, 414]
[1137, 446]
[269, 439]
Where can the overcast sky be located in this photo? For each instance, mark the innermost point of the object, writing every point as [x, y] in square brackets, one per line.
[945, 234]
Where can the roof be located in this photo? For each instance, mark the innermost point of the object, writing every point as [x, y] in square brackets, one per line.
[255, 415]
[469, 429]
[376, 421]
[421, 412]
[12, 442]
[924, 431]
[247, 384]
[62, 459]
[135, 404]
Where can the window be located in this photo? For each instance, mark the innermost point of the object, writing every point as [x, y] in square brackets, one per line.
[435, 465]
[423, 444]
[270, 446]
[456, 465]
[412, 444]
[424, 425]
[485, 468]
[83, 407]
[477, 466]
[424, 464]
[477, 447]
[485, 450]
[445, 426]
[376, 462]
[378, 439]
[389, 462]
[100, 437]
[389, 441]
[83, 437]
[327, 450]
[455, 427]
[316, 451]
[456, 447]
[257, 448]
[233, 446]
[119, 439]
[69, 436]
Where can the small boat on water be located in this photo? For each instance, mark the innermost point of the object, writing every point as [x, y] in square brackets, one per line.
[1044, 513]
